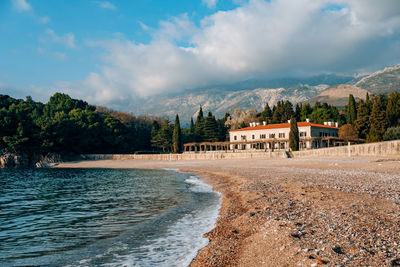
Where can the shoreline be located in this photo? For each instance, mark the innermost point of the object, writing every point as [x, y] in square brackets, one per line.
[296, 212]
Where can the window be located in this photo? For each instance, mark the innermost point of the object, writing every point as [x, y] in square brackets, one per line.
[272, 136]
[262, 136]
[235, 137]
[281, 135]
[253, 137]
[303, 134]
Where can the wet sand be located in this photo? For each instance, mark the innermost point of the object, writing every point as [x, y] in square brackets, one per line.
[296, 212]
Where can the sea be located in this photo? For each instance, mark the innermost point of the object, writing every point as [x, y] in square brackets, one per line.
[103, 217]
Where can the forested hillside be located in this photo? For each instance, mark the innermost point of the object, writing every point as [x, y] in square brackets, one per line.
[66, 125]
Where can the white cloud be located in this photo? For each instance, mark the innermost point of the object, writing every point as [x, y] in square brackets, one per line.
[44, 20]
[67, 39]
[210, 3]
[259, 38]
[105, 5]
[21, 5]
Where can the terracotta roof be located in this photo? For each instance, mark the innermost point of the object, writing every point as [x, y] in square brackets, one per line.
[283, 125]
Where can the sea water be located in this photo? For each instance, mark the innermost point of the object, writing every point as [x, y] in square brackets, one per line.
[103, 217]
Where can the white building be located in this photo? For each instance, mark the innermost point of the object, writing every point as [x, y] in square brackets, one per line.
[276, 136]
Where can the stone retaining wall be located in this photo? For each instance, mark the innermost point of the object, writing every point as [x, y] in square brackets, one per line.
[389, 148]
[188, 156]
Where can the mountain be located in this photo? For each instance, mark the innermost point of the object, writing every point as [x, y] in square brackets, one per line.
[382, 82]
[255, 93]
[338, 95]
[220, 101]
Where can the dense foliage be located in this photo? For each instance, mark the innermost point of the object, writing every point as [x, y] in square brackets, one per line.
[66, 125]
[170, 138]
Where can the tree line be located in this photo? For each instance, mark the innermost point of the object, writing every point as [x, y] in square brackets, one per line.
[169, 137]
[65, 125]
[375, 119]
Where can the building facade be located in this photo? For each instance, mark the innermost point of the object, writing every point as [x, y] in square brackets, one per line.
[276, 136]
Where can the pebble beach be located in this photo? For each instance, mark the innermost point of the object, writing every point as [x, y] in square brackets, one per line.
[296, 212]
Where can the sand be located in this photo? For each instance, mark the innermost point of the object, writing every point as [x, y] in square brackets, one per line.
[296, 212]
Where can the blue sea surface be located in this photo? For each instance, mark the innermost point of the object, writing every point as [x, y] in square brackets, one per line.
[103, 217]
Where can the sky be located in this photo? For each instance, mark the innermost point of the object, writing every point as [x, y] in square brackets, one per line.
[110, 52]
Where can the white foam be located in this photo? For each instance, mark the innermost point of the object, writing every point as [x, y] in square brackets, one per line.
[198, 185]
[181, 242]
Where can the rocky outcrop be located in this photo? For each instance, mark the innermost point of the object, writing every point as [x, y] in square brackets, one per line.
[48, 160]
[13, 160]
[16, 160]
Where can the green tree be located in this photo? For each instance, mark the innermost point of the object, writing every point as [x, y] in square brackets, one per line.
[305, 112]
[155, 135]
[392, 133]
[393, 109]
[177, 136]
[267, 114]
[166, 136]
[277, 115]
[210, 128]
[362, 121]
[377, 120]
[294, 135]
[287, 111]
[199, 126]
[351, 114]
[222, 128]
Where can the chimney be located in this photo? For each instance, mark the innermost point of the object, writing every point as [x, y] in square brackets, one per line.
[257, 123]
[336, 124]
[264, 123]
[325, 123]
[288, 121]
[307, 120]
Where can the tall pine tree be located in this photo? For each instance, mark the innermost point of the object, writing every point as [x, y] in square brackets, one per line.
[393, 109]
[278, 113]
[177, 136]
[351, 113]
[377, 120]
[210, 128]
[294, 135]
[267, 114]
[192, 131]
[199, 126]
[362, 121]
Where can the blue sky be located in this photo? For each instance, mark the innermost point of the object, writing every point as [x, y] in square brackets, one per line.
[34, 48]
[109, 52]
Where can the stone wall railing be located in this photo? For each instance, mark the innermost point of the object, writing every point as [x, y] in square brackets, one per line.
[210, 155]
[388, 148]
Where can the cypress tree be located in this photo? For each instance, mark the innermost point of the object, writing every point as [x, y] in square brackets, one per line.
[393, 109]
[199, 126]
[177, 136]
[294, 135]
[210, 128]
[351, 110]
[377, 120]
[362, 121]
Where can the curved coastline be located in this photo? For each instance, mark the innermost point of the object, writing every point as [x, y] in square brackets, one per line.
[289, 212]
